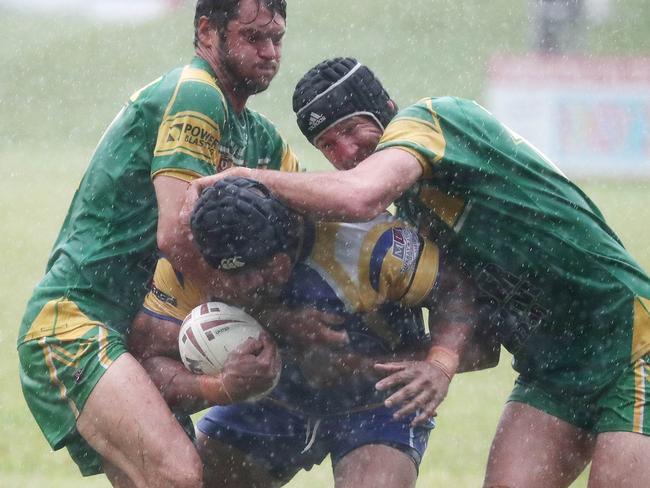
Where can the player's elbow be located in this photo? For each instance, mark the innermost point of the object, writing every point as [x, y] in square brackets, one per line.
[367, 201]
[174, 245]
[164, 379]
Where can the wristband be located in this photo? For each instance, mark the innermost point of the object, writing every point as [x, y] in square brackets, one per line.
[444, 359]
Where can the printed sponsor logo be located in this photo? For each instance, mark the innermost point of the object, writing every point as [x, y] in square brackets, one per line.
[234, 262]
[398, 243]
[225, 162]
[162, 296]
[406, 246]
[189, 132]
[231, 156]
[315, 119]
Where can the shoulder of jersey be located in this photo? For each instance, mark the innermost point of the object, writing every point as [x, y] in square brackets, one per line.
[262, 122]
[200, 87]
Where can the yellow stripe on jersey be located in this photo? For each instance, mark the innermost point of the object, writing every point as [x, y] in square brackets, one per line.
[170, 297]
[62, 318]
[102, 337]
[447, 207]
[324, 257]
[191, 133]
[191, 74]
[63, 391]
[412, 131]
[289, 160]
[426, 273]
[641, 328]
[641, 370]
[136, 95]
[179, 174]
[67, 357]
[200, 76]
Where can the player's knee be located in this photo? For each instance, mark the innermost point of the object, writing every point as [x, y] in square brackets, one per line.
[180, 472]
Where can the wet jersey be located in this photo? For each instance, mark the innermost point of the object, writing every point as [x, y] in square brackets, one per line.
[180, 125]
[369, 273]
[567, 299]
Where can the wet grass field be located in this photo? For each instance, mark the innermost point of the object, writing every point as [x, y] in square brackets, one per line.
[63, 79]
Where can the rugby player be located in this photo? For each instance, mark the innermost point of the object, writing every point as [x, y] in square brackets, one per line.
[86, 392]
[570, 303]
[325, 402]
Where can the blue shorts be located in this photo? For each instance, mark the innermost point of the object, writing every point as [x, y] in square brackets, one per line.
[285, 441]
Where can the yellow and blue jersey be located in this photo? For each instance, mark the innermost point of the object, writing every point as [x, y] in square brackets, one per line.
[374, 274]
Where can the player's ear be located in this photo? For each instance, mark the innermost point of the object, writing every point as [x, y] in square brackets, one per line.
[206, 32]
[392, 106]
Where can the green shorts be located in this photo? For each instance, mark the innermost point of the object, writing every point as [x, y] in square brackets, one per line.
[623, 406]
[58, 373]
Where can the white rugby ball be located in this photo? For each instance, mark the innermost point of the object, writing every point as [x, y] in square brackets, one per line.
[210, 332]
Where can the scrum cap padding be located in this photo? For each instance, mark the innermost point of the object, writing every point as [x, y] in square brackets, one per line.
[238, 222]
[335, 90]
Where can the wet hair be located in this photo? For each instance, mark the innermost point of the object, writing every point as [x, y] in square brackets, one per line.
[239, 222]
[220, 12]
[337, 89]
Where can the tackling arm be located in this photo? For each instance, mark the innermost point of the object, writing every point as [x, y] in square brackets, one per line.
[423, 384]
[175, 240]
[248, 370]
[358, 194]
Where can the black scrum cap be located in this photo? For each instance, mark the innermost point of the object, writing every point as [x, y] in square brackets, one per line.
[335, 90]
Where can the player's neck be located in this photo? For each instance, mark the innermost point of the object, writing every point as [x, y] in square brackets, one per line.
[230, 87]
[232, 90]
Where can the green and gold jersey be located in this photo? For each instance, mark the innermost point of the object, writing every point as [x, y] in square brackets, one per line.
[564, 290]
[180, 125]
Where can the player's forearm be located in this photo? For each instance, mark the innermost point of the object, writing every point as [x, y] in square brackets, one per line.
[330, 368]
[479, 353]
[184, 391]
[174, 235]
[452, 320]
[358, 194]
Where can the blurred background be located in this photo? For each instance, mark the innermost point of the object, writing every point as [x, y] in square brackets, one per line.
[572, 76]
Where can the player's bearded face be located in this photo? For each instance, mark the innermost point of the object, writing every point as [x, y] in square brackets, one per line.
[251, 48]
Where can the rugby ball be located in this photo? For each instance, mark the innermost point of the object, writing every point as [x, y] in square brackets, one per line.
[210, 332]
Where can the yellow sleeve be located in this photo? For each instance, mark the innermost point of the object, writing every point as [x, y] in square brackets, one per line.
[171, 296]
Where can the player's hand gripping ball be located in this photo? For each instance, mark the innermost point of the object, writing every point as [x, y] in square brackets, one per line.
[210, 332]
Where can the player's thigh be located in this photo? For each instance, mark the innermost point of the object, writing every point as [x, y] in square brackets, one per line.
[126, 420]
[532, 448]
[227, 467]
[621, 459]
[375, 465]
[622, 453]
